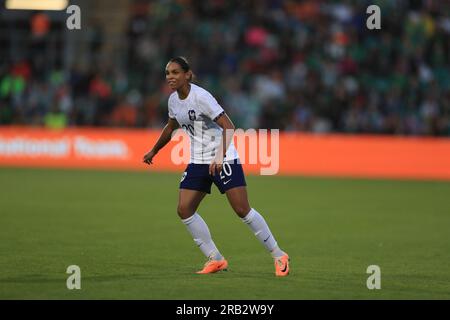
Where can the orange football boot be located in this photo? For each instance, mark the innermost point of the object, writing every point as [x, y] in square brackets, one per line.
[212, 266]
[282, 266]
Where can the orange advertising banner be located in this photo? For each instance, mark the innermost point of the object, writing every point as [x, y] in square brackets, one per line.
[284, 153]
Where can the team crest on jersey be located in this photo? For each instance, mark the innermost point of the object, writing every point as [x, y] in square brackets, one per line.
[192, 116]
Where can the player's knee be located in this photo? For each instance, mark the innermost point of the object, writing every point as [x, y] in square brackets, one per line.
[184, 211]
[242, 210]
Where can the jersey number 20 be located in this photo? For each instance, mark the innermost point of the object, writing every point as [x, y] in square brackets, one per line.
[226, 169]
[189, 128]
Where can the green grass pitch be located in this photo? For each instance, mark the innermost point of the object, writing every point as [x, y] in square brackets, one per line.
[122, 230]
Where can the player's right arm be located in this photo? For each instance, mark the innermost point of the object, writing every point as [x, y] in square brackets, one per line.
[164, 138]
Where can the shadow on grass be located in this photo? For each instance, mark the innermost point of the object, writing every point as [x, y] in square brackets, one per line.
[160, 276]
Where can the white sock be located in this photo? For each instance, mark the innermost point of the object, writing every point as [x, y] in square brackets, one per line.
[261, 230]
[202, 237]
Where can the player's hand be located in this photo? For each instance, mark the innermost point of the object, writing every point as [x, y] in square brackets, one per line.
[215, 165]
[148, 157]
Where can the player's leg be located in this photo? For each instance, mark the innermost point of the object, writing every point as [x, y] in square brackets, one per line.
[238, 200]
[194, 185]
[188, 203]
[231, 180]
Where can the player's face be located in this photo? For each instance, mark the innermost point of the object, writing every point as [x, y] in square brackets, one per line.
[175, 76]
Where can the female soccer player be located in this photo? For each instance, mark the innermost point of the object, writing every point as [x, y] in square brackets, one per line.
[210, 131]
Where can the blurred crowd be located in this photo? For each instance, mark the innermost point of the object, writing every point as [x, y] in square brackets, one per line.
[294, 65]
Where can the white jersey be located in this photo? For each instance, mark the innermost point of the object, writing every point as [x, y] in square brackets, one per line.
[196, 114]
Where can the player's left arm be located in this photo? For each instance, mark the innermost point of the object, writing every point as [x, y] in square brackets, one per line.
[227, 136]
